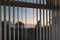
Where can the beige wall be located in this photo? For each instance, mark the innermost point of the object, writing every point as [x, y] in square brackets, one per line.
[58, 24]
[55, 2]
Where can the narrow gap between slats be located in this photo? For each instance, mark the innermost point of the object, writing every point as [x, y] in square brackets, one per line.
[43, 23]
[26, 22]
[0, 23]
[40, 36]
[33, 24]
[13, 20]
[37, 22]
[18, 27]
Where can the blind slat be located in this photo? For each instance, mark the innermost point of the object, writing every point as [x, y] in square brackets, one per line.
[9, 21]
[5, 31]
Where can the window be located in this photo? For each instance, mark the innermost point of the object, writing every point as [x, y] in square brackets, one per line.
[28, 20]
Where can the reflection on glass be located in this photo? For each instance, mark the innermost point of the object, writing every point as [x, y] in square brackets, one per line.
[33, 1]
[28, 16]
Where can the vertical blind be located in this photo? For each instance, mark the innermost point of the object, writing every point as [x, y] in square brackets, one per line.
[29, 20]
